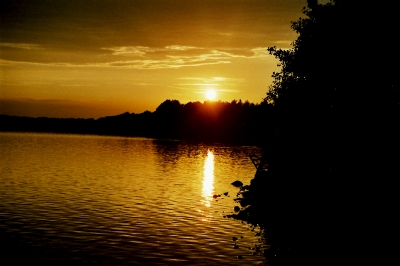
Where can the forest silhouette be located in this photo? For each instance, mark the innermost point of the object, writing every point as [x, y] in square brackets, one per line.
[227, 122]
[329, 131]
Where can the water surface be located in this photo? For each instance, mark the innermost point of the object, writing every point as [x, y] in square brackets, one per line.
[121, 201]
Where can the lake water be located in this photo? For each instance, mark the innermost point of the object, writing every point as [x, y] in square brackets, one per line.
[102, 200]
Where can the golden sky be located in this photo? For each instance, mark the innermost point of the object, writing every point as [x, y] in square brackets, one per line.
[88, 58]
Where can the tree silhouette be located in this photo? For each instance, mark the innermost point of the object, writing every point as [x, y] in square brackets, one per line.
[337, 61]
[336, 108]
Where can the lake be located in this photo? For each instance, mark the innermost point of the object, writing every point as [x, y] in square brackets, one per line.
[85, 199]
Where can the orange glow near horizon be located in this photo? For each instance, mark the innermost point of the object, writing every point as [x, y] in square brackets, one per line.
[208, 180]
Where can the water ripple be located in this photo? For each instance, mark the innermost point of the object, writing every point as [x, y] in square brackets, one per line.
[119, 201]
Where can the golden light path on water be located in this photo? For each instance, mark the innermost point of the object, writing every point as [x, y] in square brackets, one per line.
[208, 180]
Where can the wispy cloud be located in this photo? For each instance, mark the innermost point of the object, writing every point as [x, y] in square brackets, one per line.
[26, 46]
[173, 56]
[177, 56]
[260, 52]
[143, 50]
[219, 84]
[212, 79]
[129, 50]
[199, 84]
[166, 63]
[180, 47]
[5, 63]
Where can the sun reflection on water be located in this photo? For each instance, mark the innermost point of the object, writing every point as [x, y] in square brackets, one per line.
[208, 180]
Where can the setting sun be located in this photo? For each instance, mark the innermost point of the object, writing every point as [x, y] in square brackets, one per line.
[211, 94]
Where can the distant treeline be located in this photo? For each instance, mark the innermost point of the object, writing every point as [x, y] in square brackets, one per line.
[234, 122]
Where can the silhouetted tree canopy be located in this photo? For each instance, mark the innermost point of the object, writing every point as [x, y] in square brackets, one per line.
[345, 57]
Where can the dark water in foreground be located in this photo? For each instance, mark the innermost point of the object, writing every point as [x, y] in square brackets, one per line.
[120, 201]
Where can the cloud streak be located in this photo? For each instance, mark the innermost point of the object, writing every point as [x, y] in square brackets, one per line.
[142, 57]
[141, 51]
[219, 84]
[25, 46]
[177, 56]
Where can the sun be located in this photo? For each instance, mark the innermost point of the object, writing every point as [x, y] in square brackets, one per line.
[211, 94]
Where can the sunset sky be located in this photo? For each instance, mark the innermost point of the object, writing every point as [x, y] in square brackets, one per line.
[88, 58]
